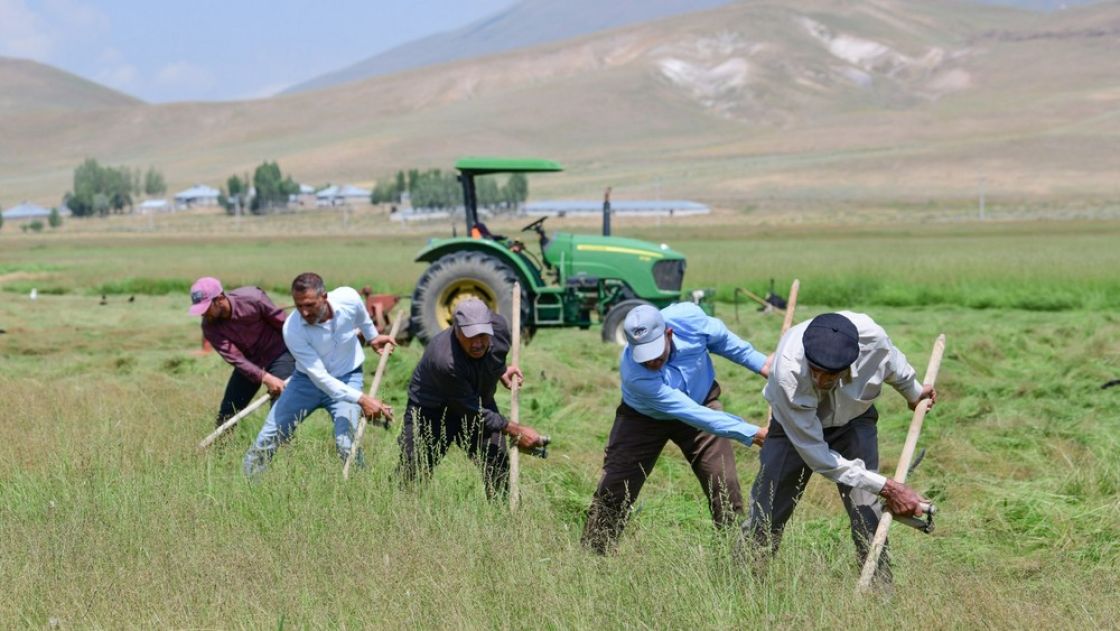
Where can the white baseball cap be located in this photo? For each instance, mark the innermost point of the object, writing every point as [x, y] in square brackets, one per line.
[645, 331]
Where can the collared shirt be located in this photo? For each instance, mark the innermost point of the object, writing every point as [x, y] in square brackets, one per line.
[804, 411]
[251, 337]
[446, 377]
[331, 349]
[677, 391]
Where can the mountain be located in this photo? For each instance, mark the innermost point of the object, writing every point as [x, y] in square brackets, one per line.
[1040, 5]
[792, 103]
[30, 85]
[525, 24]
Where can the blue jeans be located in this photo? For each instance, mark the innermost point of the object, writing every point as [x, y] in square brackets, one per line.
[300, 398]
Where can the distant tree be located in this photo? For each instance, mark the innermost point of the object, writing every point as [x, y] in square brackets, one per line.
[101, 204]
[154, 184]
[434, 189]
[55, 219]
[91, 180]
[486, 189]
[1, 221]
[235, 186]
[272, 188]
[234, 195]
[120, 188]
[389, 190]
[35, 225]
[136, 182]
[516, 190]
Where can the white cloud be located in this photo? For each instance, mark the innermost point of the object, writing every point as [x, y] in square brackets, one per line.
[182, 81]
[122, 77]
[115, 71]
[23, 33]
[40, 34]
[185, 77]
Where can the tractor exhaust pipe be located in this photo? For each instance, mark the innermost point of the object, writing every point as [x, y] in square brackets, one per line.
[607, 212]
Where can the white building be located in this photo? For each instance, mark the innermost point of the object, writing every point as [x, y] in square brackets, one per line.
[346, 194]
[197, 195]
[154, 206]
[26, 210]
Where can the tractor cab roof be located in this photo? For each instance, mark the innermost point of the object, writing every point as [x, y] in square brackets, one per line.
[476, 165]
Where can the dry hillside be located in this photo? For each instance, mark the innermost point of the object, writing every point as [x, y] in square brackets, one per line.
[32, 86]
[804, 102]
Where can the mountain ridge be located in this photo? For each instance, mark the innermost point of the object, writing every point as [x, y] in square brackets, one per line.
[767, 102]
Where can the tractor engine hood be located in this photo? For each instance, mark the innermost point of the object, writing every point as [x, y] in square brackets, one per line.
[652, 271]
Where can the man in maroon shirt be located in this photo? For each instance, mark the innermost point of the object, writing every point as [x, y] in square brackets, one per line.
[247, 331]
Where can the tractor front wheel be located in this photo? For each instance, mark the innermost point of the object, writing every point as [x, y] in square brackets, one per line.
[461, 276]
[616, 316]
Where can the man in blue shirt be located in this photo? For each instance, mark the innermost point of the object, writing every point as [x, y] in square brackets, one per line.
[669, 392]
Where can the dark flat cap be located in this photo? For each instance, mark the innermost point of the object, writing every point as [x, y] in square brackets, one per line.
[831, 342]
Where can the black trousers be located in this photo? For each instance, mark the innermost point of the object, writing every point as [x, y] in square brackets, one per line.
[782, 477]
[240, 390]
[429, 432]
[635, 443]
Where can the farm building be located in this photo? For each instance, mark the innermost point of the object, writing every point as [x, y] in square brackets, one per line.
[197, 195]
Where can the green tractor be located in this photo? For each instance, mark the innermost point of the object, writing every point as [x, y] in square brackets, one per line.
[572, 277]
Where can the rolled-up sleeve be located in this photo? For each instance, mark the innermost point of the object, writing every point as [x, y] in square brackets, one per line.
[652, 394]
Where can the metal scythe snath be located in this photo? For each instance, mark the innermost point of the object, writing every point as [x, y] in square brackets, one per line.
[903, 468]
[234, 420]
[515, 401]
[373, 387]
[791, 306]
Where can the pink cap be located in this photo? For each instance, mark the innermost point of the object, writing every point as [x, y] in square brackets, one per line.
[203, 292]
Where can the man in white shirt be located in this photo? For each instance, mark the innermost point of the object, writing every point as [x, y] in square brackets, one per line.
[825, 377]
[324, 341]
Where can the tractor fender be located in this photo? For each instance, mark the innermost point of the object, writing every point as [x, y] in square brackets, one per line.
[530, 276]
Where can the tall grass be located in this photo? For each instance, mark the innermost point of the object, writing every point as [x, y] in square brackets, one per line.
[109, 517]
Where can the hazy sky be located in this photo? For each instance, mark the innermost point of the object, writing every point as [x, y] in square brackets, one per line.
[173, 50]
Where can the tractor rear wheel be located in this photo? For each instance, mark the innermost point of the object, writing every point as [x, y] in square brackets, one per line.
[461, 276]
[616, 316]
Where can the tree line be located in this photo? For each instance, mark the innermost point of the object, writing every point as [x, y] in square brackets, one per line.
[101, 190]
[435, 189]
[271, 190]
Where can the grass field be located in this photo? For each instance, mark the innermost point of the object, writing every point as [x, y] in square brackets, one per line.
[110, 518]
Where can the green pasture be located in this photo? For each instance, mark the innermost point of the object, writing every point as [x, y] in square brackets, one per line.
[1036, 266]
[110, 517]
